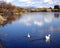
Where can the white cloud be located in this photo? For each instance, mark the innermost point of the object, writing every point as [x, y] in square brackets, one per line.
[36, 3]
[9, 1]
[29, 2]
[33, 3]
[56, 2]
[48, 1]
[24, 0]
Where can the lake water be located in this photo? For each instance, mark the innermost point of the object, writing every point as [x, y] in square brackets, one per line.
[13, 34]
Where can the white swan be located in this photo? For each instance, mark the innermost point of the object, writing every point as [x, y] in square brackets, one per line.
[28, 35]
[47, 37]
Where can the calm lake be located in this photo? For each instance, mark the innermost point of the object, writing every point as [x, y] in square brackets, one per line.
[13, 34]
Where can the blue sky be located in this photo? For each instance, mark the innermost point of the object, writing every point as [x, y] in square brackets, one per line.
[34, 3]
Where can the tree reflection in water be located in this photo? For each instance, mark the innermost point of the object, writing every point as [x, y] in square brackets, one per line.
[2, 45]
[56, 15]
[9, 20]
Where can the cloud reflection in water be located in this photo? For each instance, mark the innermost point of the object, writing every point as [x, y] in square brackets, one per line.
[39, 20]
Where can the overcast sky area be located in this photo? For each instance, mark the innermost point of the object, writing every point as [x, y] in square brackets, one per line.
[34, 3]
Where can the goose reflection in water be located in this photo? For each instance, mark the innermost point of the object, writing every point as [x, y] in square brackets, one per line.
[46, 38]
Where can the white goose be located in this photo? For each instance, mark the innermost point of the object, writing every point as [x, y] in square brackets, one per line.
[28, 35]
[47, 37]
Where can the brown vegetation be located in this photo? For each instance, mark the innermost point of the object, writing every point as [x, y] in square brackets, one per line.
[7, 9]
